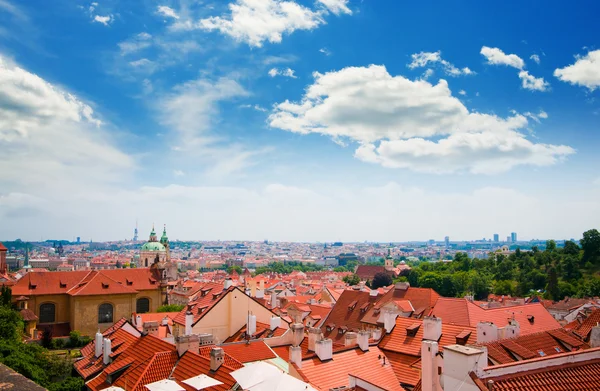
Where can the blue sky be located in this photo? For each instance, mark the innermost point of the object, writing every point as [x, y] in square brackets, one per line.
[299, 120]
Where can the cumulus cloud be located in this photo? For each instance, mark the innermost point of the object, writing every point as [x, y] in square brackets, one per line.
[137, 43]
[423, 59]
[337, 6]
[167, 12]
[105, 20]
[496, 56]
[48, 135]
[462, 92]
[535, 58]
[533, 83]
[411, 124]
[287, 72]
[584, 72]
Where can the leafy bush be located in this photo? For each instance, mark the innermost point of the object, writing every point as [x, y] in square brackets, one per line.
[170, 308]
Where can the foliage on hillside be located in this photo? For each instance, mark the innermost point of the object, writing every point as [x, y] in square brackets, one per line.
[288, 267]
[554, 273]
[31, 360]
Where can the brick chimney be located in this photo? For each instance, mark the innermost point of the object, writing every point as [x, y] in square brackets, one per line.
[432, 328]
[107, 351]
[187, 342]
[363, 340]
[189, 319]
[314, 335]
[324, 349]
[217, 356]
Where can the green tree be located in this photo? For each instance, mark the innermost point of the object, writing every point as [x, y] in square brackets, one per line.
[46, 339]
[504, 287]
[351, 279]
[591, 246]
[550, 245]
[480, 285]
[170, 308]
[431, 280]
[381, 279]
[235, 268]
[5, 296]
[552, 288]
[10, 324]
[571, 248]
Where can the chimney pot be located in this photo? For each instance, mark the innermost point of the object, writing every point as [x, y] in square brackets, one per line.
[217, 357]
[324, 349]
[98, 344]
[107, 351]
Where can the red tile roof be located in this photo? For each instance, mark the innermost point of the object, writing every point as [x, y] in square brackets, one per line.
[203, 302]
[250, 351]
[422, 301]
[97, 283]
[2, 247]
[466, 313]
[584, 329]
[325, 375]
[192, 364]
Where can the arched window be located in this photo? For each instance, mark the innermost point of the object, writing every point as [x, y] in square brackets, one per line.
[142, 305]
[47, 313]
[105, 313]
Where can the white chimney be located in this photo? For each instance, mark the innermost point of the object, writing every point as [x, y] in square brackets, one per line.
[314, 335]
[189, 320]
[363, 340]
[374, 292]
[260, 294]
[296, 356]
[227, 284]
[217, 356]
[429, 373]
[275, 322]
[297, 333]
[486, 332]
[377, 334]
[98, 344]
[138, 321]
[350, 338]
[432, 328]
[165, 321]
[324, 349]
[389, 321]
[107, 351]
[251, 325]
[595, 336]
[458, 362]
[274, 301]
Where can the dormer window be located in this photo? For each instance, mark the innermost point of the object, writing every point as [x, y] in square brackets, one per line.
[364, 307]
[342, 329]
[128, 282]
[411, 330]
[531, 318]
[63, 284]
[216, 296]
[352, 305]
[32, 286]
[104, 286]
[330, 327]
[463, 337]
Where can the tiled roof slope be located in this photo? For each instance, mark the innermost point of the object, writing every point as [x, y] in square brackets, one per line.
[406, 367]
[192, 364]
[325, 375]
[532, 318]
[545, 343]
[210, 295]
[248, 352]
[343, 315]
[96, 283]
[421, 299]
[584, 328]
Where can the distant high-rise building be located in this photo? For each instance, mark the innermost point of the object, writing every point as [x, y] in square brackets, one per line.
[496, 238]
[508, 239]
[135, 232]
[513, 237]
[78, 239]
[447, 240]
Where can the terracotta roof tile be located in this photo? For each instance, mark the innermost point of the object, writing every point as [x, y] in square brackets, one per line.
[248, 352]
[584, 329]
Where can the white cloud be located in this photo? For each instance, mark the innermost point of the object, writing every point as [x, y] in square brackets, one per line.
[584, 72]
[325, 51]
[51, 137]
[105, 20]
[138, 42]
[337, 6]
[369, 106]
[178, 173]
[423, 59]
[535, 58]
[536, 117]
[287, 72]
[255, 22]
[167, 11]
[462, 92]
[530, 82]
[496, 56]
[256, 107]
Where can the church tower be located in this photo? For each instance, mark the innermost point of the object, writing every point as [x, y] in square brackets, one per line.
[164, 240]
[389, 261]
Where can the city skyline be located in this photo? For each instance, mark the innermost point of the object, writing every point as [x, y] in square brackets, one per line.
[345, 120]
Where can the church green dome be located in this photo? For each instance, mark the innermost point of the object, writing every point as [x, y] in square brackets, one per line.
[153, 246]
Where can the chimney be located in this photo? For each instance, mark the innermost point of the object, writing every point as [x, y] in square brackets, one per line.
[165, 321]
[98, 344]
[402, 286]
[314, 335]
[187, 342]
[260, 294]
[595, 336]
[511, 330]
[377, 334]
[216, 358]
[150, 328]
[228, 283]
[275, 322]
[138, 321]
[107, 351]
[458, 362]
[324, 349]
[350, 338]
[432, 328]
[274, 301]
[389, 321]
[189, 319]
[429, 372]
[251, 325]
[486, 332]
[296, 356]
[373, 293]
[363, 340]
[297, 333]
